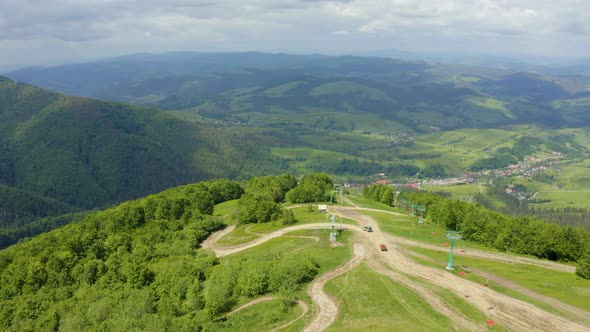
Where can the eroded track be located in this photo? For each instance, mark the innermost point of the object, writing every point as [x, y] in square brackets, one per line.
[511, 313]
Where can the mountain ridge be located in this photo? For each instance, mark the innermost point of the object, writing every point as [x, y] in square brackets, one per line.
[89, 153]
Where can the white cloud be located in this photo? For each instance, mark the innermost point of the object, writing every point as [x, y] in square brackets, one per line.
[341, 32]
[125, 26]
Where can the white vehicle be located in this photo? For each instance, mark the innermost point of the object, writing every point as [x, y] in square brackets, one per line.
[367, 229]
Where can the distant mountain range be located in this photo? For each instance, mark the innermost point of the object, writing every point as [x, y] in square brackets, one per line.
[415, 95]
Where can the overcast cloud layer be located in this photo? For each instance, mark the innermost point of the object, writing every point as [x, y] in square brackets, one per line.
[36, 32]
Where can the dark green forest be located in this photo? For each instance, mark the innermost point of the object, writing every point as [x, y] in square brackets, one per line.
[87, 153]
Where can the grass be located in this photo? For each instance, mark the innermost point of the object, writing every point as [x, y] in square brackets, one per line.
[237, 236]
[462, 306]
[372, 302]
[463, 191]
[562, 199]
[575, 176]
[191, 115]
[572, 102]
[265, 316]
[328, 257]
[493, 104]
[302, 214]
[408, 227]
[348, 87]
[451, 299]
[307, 153]
[370, 204]
[226, 210]
[563, 286]
[464, 78]
[283, 88]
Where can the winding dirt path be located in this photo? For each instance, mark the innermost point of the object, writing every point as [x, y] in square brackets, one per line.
[305, 308]
[376, 263]
[578, 314]
[509, 312]
[211, 241]
[300, 303]
[327, 308]
[251, 303]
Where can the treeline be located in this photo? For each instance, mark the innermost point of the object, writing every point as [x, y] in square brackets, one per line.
[568, 216]
[366, 168]
[136, 266]
[13, 234]
[264, 195]
[380, 193]
[254, 277]
[521, 235]
[502, 158]
[24, 214]
[512, 205]
[18, 207]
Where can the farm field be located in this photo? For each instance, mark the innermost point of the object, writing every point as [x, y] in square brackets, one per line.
[564, 198]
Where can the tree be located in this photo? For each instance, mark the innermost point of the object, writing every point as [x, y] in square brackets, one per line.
[258, 208]
[583, 269]
[288, 217]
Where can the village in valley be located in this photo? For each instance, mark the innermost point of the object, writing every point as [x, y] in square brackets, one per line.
[529, 167]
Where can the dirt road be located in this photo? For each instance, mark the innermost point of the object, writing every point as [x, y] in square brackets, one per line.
[327, 308]
[579, 315]
[352, 213]
[511, 313]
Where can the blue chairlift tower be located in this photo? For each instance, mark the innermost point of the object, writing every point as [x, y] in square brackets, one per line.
[452, 236]
[402, 203]
[413, 207]
[421, 209]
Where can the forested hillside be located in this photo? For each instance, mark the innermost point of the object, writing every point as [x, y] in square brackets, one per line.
[136, 266]
[89, 153]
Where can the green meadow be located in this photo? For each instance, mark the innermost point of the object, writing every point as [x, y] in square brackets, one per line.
[373, 302]
[563, 286]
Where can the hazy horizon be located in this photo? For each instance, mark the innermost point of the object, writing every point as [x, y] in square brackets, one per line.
[59, 31]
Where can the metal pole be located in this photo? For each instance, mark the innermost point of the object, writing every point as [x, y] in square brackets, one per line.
[450, 266]
[452, 236]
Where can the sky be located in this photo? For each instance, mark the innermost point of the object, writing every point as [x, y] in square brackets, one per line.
[54, 31]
